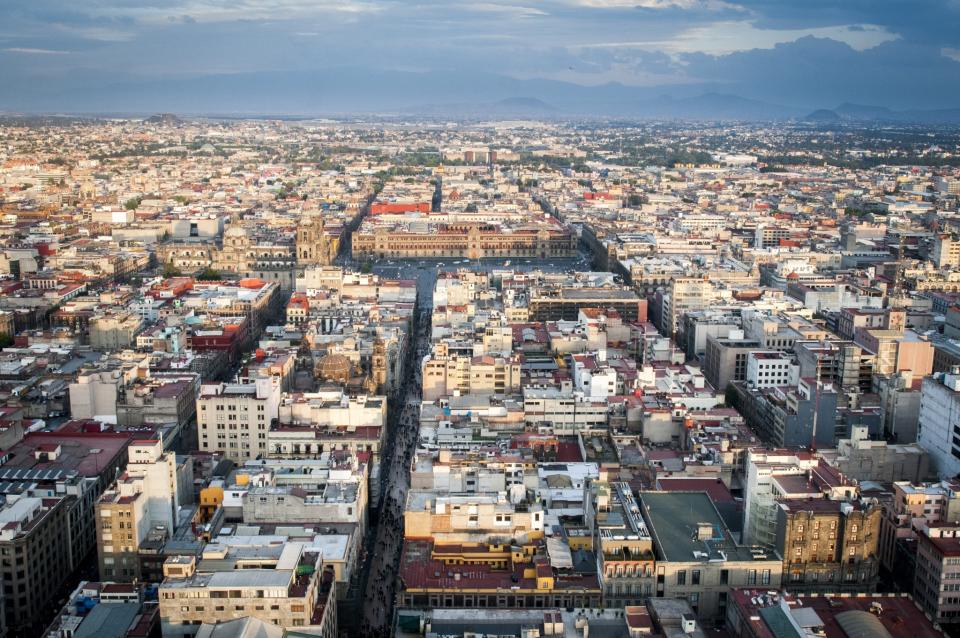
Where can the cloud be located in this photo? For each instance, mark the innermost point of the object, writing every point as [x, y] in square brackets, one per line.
[802, 49]
[511, 10]
[206, 11]
[721, 38]
[32, 51]
[712, 5]
[821, 72]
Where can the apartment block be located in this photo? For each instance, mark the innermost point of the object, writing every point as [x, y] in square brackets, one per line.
[938, 428]
[233, 419]
[145, 498]
[696, 557]
[829, 546]
[289, 588]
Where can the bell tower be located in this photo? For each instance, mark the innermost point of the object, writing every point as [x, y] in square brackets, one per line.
[312, 242]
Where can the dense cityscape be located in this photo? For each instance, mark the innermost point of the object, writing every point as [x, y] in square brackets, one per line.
[387, 377]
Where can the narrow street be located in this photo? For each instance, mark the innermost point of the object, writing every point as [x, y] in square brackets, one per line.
[369, 611]
[387, 538]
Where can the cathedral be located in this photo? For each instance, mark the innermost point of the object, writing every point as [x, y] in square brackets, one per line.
[248, 257]
[313, 246]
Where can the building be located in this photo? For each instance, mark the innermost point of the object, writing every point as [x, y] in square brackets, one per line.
[564, 411]
[685, 294]
[773, 613]
[622, 543]
[445, 375]
[725, 358]
[144, 499]
[114, 331]
[233, 419]
[913, 505]
[94, 393]
[314, 248]
[106, 610]
[900, 404]
[697, 558]
[939, 421]
[801, 416]
[937, 578]
[946, 251]
[565, 303]
[39, 559]
[631, 622]
[770, 370]
[765, 471]
[288, 587]
[493, 575]
[468, 240]
[829, 546]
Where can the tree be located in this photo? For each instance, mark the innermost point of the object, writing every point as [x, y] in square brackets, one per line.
[169, 270]
[208, 274]
[133, 203]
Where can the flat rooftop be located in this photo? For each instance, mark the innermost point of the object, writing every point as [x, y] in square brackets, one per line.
[676, 517]
[87, 454]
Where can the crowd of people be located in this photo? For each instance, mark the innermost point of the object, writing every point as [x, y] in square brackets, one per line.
[381, 581]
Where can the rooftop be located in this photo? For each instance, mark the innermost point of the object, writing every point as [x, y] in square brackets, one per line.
[686, 527]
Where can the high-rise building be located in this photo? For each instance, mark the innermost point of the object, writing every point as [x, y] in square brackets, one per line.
[234, 418]
[145, 498]
[937, 579]
[940, 421]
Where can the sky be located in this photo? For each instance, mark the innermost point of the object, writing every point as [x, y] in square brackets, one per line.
[805, 53]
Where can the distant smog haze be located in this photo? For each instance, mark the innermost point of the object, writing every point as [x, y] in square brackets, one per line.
[754, 59]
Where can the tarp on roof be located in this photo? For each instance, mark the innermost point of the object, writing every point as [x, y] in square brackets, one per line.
[861, 624]
[559, 553]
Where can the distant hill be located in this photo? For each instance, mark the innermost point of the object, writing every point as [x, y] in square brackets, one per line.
[525, 107]
[864, 113]
[713, 106]
[164, 118]
[524, 104]
[823, 116]
[351, 91]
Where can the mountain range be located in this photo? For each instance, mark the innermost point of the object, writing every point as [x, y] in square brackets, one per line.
[361, 91]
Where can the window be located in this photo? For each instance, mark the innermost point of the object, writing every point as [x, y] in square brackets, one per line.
[765, 578]
[724, 576]
[682, 577]
[751, 577]
[695, 577]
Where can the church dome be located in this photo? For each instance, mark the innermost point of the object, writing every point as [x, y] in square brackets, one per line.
[334, 367]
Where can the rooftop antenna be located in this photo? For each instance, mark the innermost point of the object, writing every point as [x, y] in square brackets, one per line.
[816, 407]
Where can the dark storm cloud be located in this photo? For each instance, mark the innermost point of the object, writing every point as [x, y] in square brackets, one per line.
[809, 52]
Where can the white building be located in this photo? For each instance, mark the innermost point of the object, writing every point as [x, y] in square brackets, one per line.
[760, 506]
[593, 378]
[771, 370]
[234, 418]
[939, 424]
